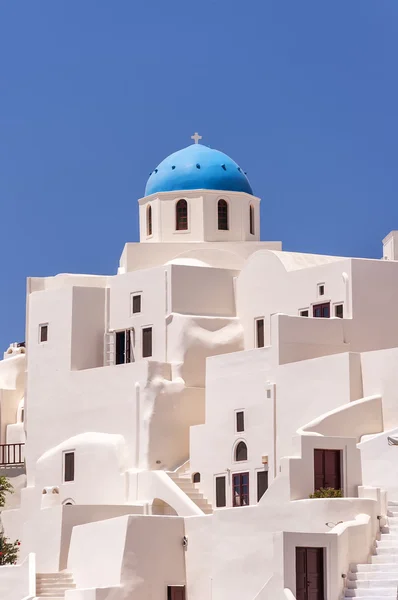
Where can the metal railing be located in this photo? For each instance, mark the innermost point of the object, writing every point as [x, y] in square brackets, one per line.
[12, 454]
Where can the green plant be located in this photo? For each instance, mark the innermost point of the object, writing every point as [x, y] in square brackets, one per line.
[5, 488]
[8, 550]
[327, 493]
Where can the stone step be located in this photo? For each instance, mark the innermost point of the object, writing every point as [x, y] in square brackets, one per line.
[373, 575]
[372, 593]
[385, 558]
[360, 584]
[370, 568]
[60, 574]
[382, 548]
[55, 586]
[372, 597]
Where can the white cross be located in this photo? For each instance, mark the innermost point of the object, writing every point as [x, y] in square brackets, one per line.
[196, 137]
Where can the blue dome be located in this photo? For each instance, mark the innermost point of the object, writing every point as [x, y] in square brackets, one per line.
[197, 167]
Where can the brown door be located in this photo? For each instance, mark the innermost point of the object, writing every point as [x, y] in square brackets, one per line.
[327, 469]
[176, 592]
[309, 574]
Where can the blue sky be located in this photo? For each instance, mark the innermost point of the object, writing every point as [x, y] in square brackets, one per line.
[93, 94]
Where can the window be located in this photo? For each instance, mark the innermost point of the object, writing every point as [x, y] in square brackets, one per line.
[240, 483]
[196, 478]
[147, 342]
[259, 333]
[69, 466]
[304, 312]
[321, 289]
[251, 219]
[240, 421]
[135, 303]
[124, 347]
[339, 310]
[181, 215]
[22, 415]
[321, 310]
[149, 220]
[262, 484]
[222, 207]
[241, 452]
[43, 332]
[221, 499]
[175, 592]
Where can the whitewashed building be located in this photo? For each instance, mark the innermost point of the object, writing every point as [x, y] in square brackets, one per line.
[165, 427]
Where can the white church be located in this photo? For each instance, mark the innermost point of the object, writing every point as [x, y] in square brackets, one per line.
[166, 428]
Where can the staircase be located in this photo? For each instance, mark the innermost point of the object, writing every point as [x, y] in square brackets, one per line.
[378, 580]
[185, 484]
[53, 586]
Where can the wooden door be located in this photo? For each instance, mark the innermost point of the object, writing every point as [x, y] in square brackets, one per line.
[176, 592]
[309, 574]
[327, 469]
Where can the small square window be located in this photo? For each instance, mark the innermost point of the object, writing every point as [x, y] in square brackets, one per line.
[339, 310]
[240, 421]
[69, 466]
[269, 394]
[321, 289]
[136, 304]
[43, 332]
[304, 312]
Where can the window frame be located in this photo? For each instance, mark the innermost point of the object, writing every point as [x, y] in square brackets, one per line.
[256, 320]
[239, 411]
[177, 217]
[224, 217]
[338, 305]
[66, 453]
[42, 327]
[321, 289]
[301, 310]
[143, 329]
[252, 227]
[196, 477]
[132, 296]
[236, 446]
[321, 305]
[217, 477]
[149, 221]
[240, 475]
[258, 472]
[129, 345]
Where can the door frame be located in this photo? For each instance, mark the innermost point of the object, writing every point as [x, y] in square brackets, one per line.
[324, 566]
[343, 466]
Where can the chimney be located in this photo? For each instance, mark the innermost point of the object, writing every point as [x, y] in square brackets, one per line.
[390, 246]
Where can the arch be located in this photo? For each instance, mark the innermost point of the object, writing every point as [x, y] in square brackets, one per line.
[149, 220]
[160, 507]
[196, 478]
[181, 215]
[222, 214]
[240, 452]
[68, 502]
[251, 218]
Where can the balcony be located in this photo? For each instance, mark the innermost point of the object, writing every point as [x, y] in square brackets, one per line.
[12, 455]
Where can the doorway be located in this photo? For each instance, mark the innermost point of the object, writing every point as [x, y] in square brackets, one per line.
[176, 592]
[327, 469]
[310, 581]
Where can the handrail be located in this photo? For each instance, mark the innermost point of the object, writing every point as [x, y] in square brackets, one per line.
[12, 454]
